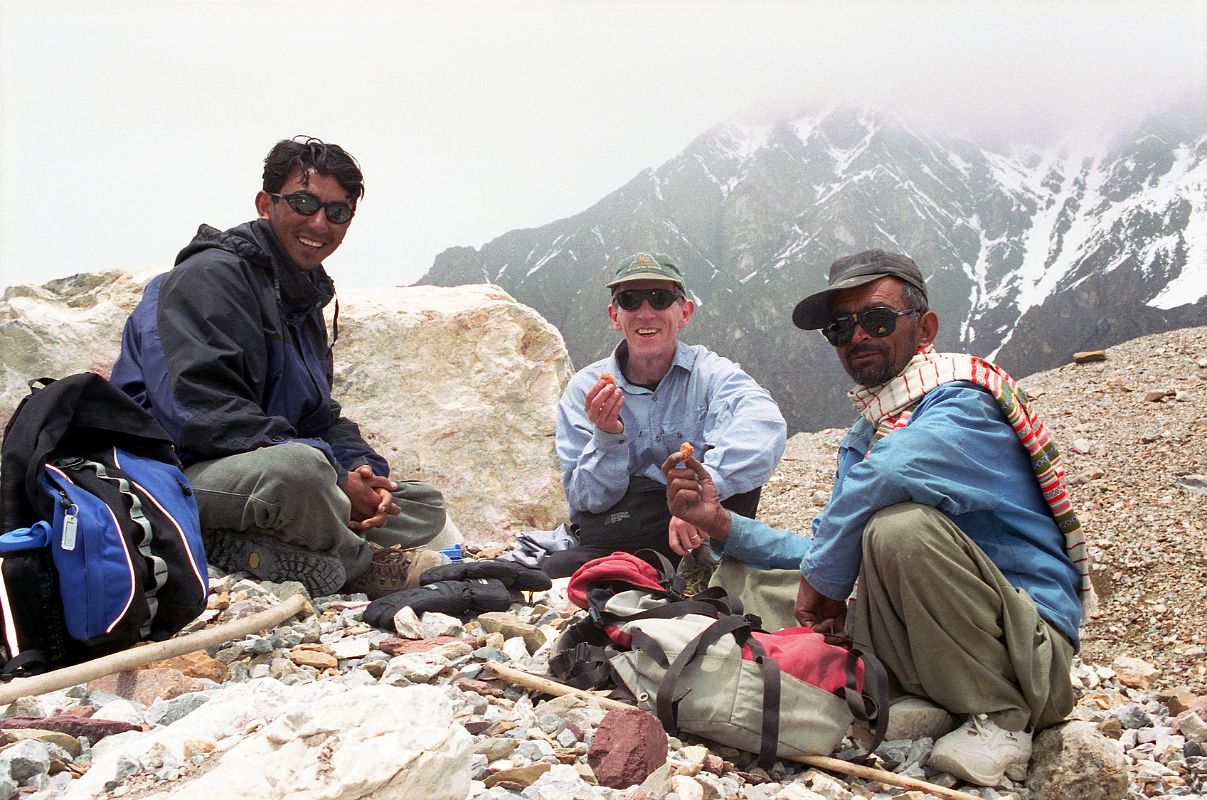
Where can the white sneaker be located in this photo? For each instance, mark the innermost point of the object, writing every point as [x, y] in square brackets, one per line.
[913, 718]
[980, 752]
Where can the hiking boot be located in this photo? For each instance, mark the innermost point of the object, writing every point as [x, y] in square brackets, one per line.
[980, 752]
[271, 559]
[914, 718]
[696, 569]
[392, 570]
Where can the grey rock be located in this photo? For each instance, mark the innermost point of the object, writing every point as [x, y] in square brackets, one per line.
[24, 707]
[1195, 484]
[564, 783]
[568, 709]
[919, 752]
[828, 787]
[496, 747]
[534, 750]
[1074, 761]
[1134, 717]
[124, 768]
[479, 767]
[165, 712]
[97, 698]
[491, 654]
[260, 646]
[24, 760]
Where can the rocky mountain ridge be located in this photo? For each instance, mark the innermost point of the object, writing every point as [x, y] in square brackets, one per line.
[1029, 254]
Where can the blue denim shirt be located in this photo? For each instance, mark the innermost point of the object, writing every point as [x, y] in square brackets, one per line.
[958, 455]
[735, 426]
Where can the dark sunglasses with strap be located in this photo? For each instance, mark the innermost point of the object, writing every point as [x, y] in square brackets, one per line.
[878, 321]
[338, 212]
[659, 299]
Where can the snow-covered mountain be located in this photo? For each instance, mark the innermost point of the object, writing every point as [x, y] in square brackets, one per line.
[1030, 255]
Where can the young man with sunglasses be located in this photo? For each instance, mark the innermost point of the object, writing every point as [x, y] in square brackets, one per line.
[612, 436]
[229, 351]
[949, 507]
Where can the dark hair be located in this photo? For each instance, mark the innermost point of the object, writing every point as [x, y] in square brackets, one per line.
[913, 296]
[308, 152]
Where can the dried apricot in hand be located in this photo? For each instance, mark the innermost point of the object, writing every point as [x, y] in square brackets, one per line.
[685, 450]
[608, 378]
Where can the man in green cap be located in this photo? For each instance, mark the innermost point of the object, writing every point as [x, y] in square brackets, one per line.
[620, 418]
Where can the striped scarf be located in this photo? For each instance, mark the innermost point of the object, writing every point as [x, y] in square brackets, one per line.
[889, 406]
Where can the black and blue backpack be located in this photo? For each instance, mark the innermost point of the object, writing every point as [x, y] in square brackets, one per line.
[100, 544]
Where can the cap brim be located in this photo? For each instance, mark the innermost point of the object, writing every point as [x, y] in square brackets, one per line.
[644, 276]
[813, 313]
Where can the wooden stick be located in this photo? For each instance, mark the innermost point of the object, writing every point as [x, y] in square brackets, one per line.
[537, 683]
[883, 776]
[138, 656]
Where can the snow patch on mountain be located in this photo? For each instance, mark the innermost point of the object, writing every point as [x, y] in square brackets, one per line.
[1190, 285]
[1049, 254]
[741, 142]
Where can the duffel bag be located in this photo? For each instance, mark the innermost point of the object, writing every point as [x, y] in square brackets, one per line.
[704, 668]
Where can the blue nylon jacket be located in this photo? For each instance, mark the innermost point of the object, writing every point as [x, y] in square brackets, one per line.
[733, 423]
[957, 454]
[229, 352]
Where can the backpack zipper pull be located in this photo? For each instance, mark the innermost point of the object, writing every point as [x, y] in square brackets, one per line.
[70, 519]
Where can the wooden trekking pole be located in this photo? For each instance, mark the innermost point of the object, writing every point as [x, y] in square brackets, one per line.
[138, 656]
[539, 684]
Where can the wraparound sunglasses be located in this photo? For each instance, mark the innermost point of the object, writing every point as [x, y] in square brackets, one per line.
[878, 321]
[306, 204]
[659, 299]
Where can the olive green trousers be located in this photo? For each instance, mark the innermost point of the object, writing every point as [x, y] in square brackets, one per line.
[949, 627]
[289, 492]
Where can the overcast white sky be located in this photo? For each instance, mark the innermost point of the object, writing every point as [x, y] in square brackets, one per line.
[124, 123]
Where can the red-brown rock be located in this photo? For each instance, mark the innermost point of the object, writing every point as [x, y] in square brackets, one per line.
[628, 745]
[396, 647]
[483, 688]
[147, 685]
[72, 725]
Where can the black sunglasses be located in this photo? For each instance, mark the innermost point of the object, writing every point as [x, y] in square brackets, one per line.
[306, 204]
[878, 321]
[660, 299]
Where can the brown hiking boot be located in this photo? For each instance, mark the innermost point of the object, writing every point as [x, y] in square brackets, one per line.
[393, 569]
[271, 559]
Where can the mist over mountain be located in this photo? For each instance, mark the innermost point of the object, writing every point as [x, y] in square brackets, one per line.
[1030, 254]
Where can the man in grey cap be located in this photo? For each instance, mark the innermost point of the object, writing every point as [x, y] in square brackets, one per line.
[620, 417]
[949, 507]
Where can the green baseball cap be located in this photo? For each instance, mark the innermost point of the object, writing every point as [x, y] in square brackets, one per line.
[647, 266]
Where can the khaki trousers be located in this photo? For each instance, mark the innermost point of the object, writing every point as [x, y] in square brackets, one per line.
[948, 626]
[289, 492]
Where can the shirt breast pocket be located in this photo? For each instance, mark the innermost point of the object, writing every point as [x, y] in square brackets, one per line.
[686, 427]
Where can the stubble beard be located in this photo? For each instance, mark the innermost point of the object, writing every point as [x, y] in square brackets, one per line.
[876, 373]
